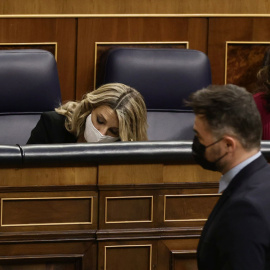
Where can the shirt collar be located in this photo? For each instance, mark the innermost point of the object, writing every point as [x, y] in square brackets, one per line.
[228, 176]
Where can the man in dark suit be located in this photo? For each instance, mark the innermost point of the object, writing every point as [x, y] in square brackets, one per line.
[227, 138]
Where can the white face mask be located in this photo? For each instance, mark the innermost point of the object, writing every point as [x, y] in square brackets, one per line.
[91, 134]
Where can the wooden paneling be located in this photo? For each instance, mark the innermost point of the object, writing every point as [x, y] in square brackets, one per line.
[49, 210]
[136, 209]
[61, 256]
[133, 6]
[124, 255]
[178, 254]
[91, 30]
[61, 31]
[127, 218]
[184, 260]
[124, 208]
[76, 40]
[136, 174]
[147, 206]
[56, 211]
[48, 176]
[144, 216]
[154, 173]
[66, 264]
[222, 30]
[188, 207]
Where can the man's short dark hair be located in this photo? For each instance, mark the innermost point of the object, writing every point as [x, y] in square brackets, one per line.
[229, 110]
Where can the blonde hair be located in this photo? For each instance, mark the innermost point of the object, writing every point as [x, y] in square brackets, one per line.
[127, 102]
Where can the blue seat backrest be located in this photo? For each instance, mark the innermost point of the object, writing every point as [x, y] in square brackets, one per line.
[29, 85]
[165, 78]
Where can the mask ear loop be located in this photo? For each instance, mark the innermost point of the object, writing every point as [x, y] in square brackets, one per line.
[214, 142]
[222, 155]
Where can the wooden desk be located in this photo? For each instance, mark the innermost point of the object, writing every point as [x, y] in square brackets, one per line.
[105, 216]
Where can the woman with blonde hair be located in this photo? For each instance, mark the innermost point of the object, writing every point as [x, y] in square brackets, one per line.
[113, 112]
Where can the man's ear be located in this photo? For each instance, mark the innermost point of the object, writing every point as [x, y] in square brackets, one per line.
[229, 143]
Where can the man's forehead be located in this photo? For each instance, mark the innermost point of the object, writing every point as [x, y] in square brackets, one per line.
[200, 123]
[199, 119]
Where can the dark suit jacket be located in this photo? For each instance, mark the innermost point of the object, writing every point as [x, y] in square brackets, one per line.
[51, 129]
[237, 233]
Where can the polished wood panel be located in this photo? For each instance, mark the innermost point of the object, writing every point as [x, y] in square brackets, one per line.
[188, 173]
[135, 174]
[56, 211]
[61, 31]
[76, 67]
[51, 210]
[188, 207]
[134, 209]
[126, 255]
[178, 254]
[28, 177]
[152, 206]
[48, 219]
[222, 30]
[154, 173]
[133, 6]
[125, 208]
[193, 30]
[56, 255]
[122, 257]
[66, 264]
[186, 260]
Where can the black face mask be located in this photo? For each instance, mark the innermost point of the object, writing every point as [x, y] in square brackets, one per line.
[198, 152]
